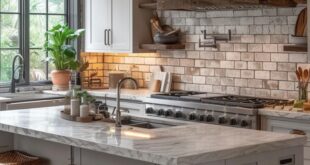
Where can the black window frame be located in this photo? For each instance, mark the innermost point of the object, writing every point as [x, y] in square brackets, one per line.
[24, 36]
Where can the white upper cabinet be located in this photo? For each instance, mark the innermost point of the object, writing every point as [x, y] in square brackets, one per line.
[98, 21]
[116, 26]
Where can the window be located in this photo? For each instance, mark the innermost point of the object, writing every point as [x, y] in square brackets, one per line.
[23, 24]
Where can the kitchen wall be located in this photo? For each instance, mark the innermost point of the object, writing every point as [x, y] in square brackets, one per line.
[253, 63]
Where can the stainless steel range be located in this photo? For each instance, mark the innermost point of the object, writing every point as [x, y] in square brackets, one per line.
[228, 110]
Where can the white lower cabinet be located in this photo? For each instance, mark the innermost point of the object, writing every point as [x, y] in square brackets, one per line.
[53, 153]
[285, 125]
[88, 157]
[6, 142]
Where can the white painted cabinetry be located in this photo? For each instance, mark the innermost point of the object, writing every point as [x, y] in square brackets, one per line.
[116, 26]
[286, 125]
[97, 21]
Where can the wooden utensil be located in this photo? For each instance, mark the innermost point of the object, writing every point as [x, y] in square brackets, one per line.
[300, 71]
[298, 76]
[156, 85]
[306, 76]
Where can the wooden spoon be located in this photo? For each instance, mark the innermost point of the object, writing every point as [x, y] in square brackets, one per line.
[298, 76]
[306, 77]
[300, 71]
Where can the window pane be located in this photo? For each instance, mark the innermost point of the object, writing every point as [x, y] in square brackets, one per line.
[9, 31]
[37, 6]
[6, 58]
[55, 20]
[37, 65]
[9, 5]
[56, 6]
[37, 30]
[51, 67]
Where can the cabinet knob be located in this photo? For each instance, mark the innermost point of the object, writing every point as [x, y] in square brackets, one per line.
[297, 132]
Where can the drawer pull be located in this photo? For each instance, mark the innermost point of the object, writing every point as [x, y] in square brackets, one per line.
[297, 132]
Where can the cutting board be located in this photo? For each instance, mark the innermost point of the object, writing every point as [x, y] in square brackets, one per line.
[166, 80]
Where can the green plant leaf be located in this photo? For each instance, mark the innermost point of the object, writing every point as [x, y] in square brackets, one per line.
[61, 54]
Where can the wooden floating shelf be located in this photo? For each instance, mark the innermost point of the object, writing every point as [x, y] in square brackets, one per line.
[295, 48]
[162, 46]
[152, 6]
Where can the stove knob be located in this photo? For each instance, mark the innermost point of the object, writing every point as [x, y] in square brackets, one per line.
[202, 117]
[192, 116]
[149, 110]
[168, 112]
[160, 112]
[244, 123]
[222, 120]
[209, 118]
[178, 114]
[233, 121]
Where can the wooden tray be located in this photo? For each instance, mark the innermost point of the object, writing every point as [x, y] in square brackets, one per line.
[67, 116]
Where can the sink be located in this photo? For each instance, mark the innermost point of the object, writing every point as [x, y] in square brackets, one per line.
[148, 123]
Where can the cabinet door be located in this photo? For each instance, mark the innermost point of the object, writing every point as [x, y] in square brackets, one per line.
[282, 126]
[121, 31]
[97, 22]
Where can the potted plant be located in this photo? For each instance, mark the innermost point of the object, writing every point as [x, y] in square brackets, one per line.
[62, 54]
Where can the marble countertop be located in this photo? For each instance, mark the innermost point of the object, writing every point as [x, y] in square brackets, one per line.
[180, 145]
[129, 94]
[284, 114]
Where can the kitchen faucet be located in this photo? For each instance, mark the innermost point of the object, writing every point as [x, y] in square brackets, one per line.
[118, 120]
[19, 69]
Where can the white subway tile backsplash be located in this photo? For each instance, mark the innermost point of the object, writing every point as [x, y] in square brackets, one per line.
[257, 12]
[270, 66]
[233, 56]
[262, 56]
[240, 47]
[263, 39]
[276, 75]
[253, 63]
[270, 48]
[247, 74]
[269, 12]
[255, 47]
[227, 64]
[298, 58]
[279, 57]
[262, 75]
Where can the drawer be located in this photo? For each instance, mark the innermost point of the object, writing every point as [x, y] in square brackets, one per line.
[287, 126]
[307, 153]
[307, 162]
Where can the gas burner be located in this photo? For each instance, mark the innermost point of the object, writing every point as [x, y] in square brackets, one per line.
[176, 95]
[243, 101]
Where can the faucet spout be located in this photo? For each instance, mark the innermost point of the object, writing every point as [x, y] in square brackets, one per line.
[118, 120]
[15, 69]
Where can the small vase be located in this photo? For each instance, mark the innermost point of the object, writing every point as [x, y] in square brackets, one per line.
[303, 92]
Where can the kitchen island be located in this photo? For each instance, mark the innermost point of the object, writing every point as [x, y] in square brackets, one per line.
[187, 144]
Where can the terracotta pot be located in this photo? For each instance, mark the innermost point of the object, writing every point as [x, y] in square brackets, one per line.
[60, 79]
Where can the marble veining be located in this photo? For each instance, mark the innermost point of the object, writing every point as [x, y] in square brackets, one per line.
[284, 114]
[181, 145]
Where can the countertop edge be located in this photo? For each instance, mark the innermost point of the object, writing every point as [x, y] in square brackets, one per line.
[284, 114]
[243, 151]
[134, 154]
